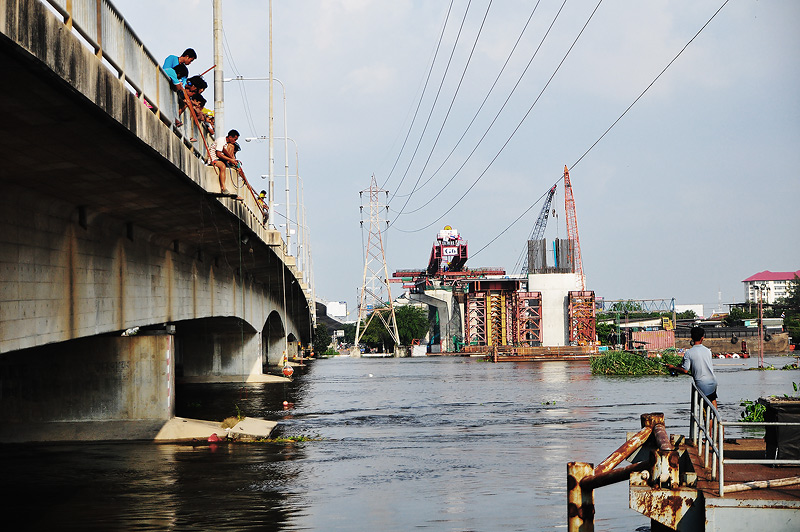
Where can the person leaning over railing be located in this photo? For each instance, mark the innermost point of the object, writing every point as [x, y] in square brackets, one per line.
[186, 59]
[194, 85]
[697, 361]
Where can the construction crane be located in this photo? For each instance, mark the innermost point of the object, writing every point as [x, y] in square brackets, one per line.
[538, 229]
[572, 228]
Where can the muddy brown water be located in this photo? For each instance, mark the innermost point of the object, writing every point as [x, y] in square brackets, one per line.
[440, 444]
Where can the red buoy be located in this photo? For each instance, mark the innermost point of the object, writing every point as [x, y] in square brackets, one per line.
[288, 371]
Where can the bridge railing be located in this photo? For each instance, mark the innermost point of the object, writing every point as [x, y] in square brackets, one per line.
[105, 30]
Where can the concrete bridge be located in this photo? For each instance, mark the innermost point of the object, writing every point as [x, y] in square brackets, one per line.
[111, 222]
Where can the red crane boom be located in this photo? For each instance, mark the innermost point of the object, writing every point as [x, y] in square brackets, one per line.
[572, 228]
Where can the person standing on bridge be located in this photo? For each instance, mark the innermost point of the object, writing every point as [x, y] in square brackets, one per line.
[223, 156]
[698, 361]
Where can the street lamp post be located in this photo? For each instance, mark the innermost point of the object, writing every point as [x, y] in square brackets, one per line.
[271, 152]
[761, 289]
[300, 222]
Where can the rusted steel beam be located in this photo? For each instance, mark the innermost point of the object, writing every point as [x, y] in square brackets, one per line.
[624, 451]
[580, 501]
[621, 474]
[662, 437]
[653, 419]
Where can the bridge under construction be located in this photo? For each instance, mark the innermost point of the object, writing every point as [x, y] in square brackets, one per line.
[543, 313]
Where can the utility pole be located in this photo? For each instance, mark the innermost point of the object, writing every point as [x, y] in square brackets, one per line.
[271, 202]
[375, 261]
[219, 104]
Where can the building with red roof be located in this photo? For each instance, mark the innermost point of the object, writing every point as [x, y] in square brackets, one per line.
[774, 285]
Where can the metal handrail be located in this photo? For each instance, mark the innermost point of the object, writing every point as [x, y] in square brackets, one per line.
[707, 430]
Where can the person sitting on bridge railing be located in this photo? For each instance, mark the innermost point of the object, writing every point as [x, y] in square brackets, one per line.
[223, 156]
[261, 201]
[186, 59]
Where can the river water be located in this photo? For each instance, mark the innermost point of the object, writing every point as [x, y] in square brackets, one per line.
[438, 444]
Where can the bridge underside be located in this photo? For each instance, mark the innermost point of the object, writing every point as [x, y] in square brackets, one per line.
[108, 222]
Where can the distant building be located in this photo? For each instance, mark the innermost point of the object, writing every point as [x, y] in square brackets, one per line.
[775, 285]
[337, 309]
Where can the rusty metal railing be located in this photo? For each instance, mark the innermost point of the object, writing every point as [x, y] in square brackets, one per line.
[583, 478]
[707, 430]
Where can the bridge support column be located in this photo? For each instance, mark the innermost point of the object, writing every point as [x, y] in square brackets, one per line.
[106, 378]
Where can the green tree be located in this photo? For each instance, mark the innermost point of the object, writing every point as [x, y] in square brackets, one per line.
[791, 319]
[412, 323]
[686, 315]
[605, 331]
[322, 338]
[349, 332]
[737, 316]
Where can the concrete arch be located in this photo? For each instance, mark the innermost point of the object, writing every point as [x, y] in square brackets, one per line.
[216, 346]
[273, 340]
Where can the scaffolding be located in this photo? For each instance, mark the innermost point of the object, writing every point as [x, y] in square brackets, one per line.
[476, 318]
[581, 317]
[529, 319]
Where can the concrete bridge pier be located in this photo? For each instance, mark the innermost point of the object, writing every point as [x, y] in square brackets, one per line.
[126, 382]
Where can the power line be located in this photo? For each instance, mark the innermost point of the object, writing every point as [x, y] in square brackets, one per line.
[449, 109]
[480, 108]
[436, 98]
[524, 117]
[614, 123]
[496, 116]
[421, 96]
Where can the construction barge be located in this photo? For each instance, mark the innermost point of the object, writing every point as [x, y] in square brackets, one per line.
[529, 354]
[705, 482]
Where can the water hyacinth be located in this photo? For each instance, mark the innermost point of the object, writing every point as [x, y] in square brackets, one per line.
[627, 363]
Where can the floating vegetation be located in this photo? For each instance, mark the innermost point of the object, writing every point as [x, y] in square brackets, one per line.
[753, 411]
[765, 368]
[627, 363]
[793, 365]
[290, 439]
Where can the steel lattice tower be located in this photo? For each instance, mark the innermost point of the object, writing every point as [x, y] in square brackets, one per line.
[372, 289]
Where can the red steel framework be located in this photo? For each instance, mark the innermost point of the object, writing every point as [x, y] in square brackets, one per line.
[476, 318]
[529, 319]
[572, 228]
[581, 317]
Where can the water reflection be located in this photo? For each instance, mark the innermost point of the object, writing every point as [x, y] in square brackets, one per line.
[441, 444]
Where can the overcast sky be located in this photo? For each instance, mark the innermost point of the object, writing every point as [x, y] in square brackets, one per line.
[692, 191]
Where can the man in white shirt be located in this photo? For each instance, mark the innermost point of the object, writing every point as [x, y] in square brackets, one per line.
[697, 361]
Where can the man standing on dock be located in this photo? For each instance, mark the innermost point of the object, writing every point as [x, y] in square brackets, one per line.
[697, 361]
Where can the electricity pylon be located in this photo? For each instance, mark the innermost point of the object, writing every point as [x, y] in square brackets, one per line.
[372, 288]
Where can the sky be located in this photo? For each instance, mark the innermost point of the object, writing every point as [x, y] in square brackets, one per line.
[466, 112]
